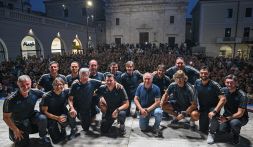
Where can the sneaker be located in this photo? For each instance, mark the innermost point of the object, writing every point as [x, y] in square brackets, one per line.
[174, 123]
[236, 139]
[134, 115]
[157, 132]
[210, 138]
[44, 140]
[73, 134]
[122, 129]
[193, 126]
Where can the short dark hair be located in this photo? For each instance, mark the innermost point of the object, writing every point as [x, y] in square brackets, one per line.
[161, 66]
[130, 63]
[181, 58]
[53, 62]
[109, 75]
[232, 77]
[204, 68]
[58, 79]
[75, 62]
[113, 63]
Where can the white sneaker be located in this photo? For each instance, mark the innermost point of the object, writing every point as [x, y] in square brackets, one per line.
[210, 138]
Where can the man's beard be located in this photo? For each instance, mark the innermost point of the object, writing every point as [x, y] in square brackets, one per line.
[204, 78]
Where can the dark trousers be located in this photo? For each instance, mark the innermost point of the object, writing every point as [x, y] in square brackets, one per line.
[94, 108]
[85, 118]
[204, 121]
[57, 130]
[130, 98]
[38, 122]
[107, 121]
[233, 125]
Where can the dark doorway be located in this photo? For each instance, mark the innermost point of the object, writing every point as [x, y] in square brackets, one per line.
[171, 41]
[118, 41]
[144, 37]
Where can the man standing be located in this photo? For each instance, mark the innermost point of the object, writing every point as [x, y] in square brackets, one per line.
[192, 73]
[147, 100]
[211, 99]
[46, 80]
[130, 80]
[160, 79]
[182, 99]
[114, 69]
[113, 103]
[74, 67]
[94, 74]
[20, 116]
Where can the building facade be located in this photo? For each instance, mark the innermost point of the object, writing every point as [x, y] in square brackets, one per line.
[224, 27]
[86, 12]
[26, 33]
[146, 21]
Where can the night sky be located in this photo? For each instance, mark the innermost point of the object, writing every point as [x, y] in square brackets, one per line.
[37, 5]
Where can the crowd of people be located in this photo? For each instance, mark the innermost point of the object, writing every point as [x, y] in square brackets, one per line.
[146, 60]
[111, 79]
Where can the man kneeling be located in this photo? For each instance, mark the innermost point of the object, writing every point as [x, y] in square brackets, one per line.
[20, 116]
[180, 100]
[113, 103]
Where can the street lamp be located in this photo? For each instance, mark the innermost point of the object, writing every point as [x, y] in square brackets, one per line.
[89, 4]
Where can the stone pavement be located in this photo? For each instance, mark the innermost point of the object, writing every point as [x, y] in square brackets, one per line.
[135, 138]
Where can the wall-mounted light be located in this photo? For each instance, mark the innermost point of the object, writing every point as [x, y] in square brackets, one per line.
[63, 6]
[58, 34]
[30, 32]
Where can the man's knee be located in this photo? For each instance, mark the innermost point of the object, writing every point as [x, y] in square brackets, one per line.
[122, 114]
[195, 115]
[167, 107]
[158, 112]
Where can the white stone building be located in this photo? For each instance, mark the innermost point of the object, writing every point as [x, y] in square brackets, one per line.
[224, 27]
[140, 21]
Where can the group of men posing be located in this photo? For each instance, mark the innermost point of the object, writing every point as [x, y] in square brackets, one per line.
[181, 91]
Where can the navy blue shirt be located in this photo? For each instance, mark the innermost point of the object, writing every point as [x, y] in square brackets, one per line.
[114, 98]
[83, 93]
[208, 95]
[235, 100]
[46, 81]
[147, 96]
[131, 82]
[117, 75]
[98, 76]
[70, 79]
[22, 107]
[162, 83]
[191, 72]
[182, 95]
[56, 103]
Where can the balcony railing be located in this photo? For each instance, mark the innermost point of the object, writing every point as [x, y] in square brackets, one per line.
[20, 16]
[248, 40]
[229, 40]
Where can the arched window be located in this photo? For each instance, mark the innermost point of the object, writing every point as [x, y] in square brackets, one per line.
[57, 46]
[2, 52]
[77, 47]
[226, 51]
[30, 47]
